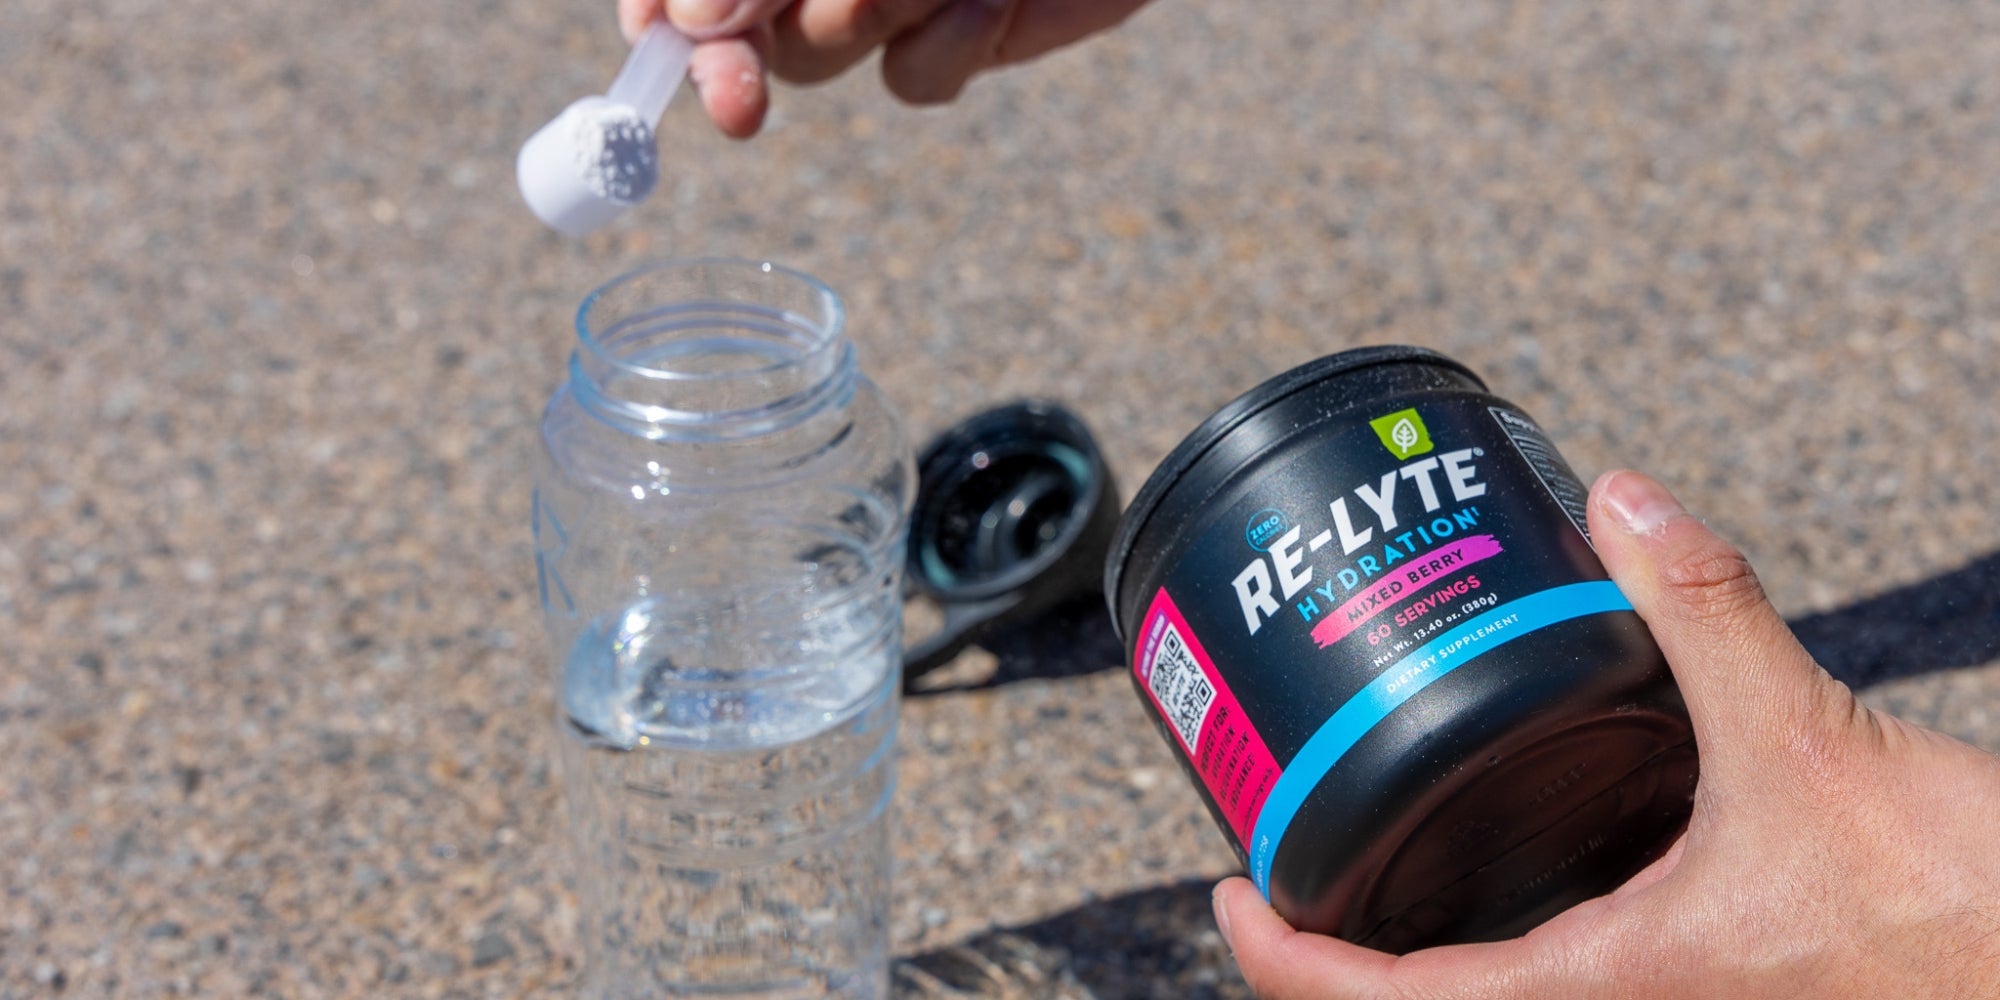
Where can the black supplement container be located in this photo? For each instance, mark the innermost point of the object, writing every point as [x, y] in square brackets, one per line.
[1362, 605]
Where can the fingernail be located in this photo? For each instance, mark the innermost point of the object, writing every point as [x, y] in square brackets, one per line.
[1221, 914]
[699, 15]
[1640, 505]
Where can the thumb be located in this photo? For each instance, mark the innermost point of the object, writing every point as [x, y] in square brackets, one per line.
[1280, 963]
[1755, 695]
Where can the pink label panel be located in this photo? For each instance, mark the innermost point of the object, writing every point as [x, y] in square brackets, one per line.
[1206, 718]
[1405, 582]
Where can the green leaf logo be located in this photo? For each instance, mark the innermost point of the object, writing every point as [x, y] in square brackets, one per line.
[1403, 433]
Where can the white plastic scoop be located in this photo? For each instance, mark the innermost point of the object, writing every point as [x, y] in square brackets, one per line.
[598, 157]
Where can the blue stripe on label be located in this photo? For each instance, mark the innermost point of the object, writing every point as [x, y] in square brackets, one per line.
[1395, 685]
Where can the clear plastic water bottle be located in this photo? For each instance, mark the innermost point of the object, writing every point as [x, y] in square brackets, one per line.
[719, 521]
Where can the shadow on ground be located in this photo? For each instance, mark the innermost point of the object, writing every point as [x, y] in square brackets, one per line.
[1151, 943]
[1946, 622]
[1070, 640]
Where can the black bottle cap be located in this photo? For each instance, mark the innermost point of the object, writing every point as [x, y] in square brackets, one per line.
[1014, 516]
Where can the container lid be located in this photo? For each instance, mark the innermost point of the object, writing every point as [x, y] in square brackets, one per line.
[1181, 461]
[1014, 513]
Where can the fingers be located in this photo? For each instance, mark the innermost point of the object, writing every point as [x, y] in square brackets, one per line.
[931, 47]
[945, 42]
[931, 63]
[726, 66]
[1283, 964]
[729, 74]
[1755, 695]
[698, 19]
[1045, 25]
[634, 15]
[817, 39]
[709, 19]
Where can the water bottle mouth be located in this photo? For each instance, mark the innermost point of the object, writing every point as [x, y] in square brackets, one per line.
[711, 349]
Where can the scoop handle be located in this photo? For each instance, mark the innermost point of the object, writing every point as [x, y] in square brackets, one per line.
[652, 72]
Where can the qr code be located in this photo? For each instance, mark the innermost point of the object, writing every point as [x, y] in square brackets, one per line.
[1182, 689]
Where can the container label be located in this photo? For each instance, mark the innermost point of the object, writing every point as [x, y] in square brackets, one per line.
[1436, 568]
[1403, 433]
[1350, 570]
[1547, 465]
[1479, 635]
[1218, 738]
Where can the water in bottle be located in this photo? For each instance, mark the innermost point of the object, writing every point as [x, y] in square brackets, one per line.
[719, 526]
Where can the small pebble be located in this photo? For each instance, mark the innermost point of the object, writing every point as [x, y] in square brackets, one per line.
[490, 948]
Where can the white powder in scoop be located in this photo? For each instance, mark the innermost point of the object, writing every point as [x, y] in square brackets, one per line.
[615, 154]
